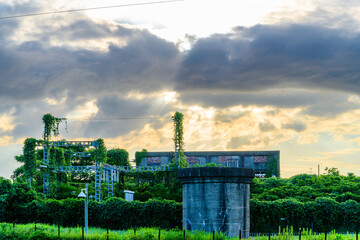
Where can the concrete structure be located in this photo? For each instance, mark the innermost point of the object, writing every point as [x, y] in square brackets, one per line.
[216, 198]
[263, 162]
[129, 195]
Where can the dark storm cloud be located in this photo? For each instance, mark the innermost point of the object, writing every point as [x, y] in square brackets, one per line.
[118, 116]
[296, 126]
[266, 126]
[248, 67]
[315, 102]
[28, 117]
[273, 57]
[34, 71]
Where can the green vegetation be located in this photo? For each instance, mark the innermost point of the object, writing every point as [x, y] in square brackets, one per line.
[179, 140]
[272, 167]
[7, 231]
[51, 125]
[324, 203]
[118, 157]
[42, 231]
[321, 203]
[19, 203]
[22, 205]
[306, 188]
[211, 164]
[139, 156]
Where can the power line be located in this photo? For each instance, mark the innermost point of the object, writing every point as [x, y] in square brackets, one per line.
[115, 118]
[87, 9]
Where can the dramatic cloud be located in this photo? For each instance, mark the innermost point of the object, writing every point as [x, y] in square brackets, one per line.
[273, 57]
[289, 83]
[296, 125]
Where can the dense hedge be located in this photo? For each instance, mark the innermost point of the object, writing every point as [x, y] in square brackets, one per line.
[20, 204]
[114, 213]
[324, 214]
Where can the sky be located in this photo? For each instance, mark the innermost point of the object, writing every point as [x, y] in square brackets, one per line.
[247, 75]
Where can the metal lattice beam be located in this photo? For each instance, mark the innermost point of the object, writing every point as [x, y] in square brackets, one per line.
[75, 169]
[69, 143]
[81, 154]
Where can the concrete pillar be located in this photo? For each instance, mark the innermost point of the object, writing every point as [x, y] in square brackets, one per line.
[217, 198]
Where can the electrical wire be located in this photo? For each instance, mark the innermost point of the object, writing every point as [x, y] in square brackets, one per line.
[115, 118]
[86, 9]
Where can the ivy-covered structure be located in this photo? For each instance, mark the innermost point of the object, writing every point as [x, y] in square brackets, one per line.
[264, 163]
[86, 160]
[51, 127]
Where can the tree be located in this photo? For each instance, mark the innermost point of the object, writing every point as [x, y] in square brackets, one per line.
[332, 171]
[18, 195]
[5, 186]
[118, 157]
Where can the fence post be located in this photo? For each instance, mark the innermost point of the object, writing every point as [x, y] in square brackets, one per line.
[59, 230]
[269, 235]
[135, 231]
[213, 234]
[239, 234]
[107, 232]
[357, 234]
[159, 233]
[325, 235]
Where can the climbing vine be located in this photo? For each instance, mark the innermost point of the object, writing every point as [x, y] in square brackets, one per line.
[139, 156]
[51, 125]
[100, 151]
[30, 156]
[179, 141]
[178, 130]
[59, 158]
[272, 167]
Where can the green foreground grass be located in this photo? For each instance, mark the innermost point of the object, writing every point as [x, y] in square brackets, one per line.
[43, 231]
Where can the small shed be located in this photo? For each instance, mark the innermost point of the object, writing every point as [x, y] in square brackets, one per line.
[129, 195]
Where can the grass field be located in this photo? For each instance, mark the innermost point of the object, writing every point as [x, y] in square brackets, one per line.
[43, 231]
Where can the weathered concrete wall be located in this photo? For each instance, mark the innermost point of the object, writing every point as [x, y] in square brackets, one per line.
[216, 199]
[256, 160]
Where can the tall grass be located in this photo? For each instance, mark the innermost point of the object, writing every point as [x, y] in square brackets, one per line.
[307, 234]
[43, 231]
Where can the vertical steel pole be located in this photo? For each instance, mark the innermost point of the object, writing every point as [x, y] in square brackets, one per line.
[86, 208]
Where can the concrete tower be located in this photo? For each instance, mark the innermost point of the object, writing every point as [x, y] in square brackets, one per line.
[217, 198]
